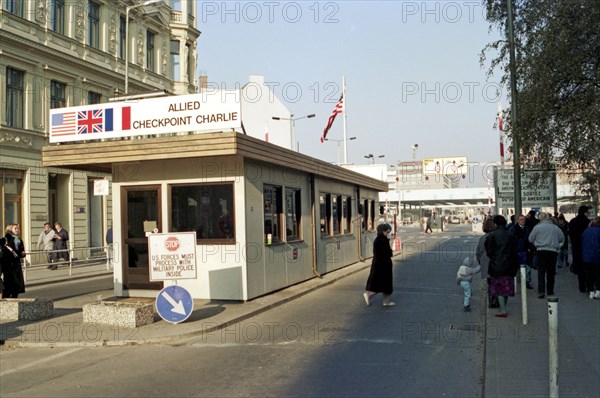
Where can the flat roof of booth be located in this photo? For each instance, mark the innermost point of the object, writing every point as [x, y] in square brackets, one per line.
[100, 156]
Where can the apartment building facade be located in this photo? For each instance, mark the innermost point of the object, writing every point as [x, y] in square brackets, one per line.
[64, 53]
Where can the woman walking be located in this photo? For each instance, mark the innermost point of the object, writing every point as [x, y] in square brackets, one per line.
[381, 278]
[501, 248]
[13, 251]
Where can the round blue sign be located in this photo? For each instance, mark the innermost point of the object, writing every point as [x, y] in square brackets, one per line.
[174, 304]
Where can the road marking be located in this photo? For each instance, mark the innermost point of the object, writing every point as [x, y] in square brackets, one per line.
[40, 361]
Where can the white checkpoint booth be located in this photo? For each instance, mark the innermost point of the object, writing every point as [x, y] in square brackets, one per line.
[264, 217]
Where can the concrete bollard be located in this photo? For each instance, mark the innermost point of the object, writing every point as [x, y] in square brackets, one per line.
[553, 345]
[524, 294]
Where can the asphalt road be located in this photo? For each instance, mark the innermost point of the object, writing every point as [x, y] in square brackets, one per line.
[326, 343]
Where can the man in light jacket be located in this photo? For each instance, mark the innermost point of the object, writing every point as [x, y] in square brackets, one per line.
[45, 240]
[547, 239]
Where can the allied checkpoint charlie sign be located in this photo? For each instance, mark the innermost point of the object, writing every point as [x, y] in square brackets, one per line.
[215, 111]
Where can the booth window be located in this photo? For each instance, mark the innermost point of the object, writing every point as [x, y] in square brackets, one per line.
[347, 205]
[325, 214]
[337, 213]
[206, 209]
[365, 215]
[273, 213]
[372, 216]
[293, 214]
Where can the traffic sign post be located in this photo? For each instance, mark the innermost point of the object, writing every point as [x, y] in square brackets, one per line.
[174, 304]
[173, 257]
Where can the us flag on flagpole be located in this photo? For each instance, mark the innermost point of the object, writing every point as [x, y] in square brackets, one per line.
[339, 108]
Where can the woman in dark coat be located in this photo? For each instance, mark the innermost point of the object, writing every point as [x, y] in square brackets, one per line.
[13, 251]
[501, 248]
[381, 278]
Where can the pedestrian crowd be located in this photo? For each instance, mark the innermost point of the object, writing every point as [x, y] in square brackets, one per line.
[12, 251]
[54, 243]
[540, 243]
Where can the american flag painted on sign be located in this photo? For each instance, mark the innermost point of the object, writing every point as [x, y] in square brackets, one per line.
[339, 108]
[64, 123]
[89, 122]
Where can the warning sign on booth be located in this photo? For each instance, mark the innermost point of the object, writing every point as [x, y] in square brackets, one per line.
[172, 256]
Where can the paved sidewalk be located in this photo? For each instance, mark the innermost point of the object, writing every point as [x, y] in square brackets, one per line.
[517, 355]
[66, 327]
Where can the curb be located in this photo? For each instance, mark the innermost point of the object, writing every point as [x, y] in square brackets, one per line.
[193, 334]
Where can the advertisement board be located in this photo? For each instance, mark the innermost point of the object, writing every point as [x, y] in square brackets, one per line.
[218, 110]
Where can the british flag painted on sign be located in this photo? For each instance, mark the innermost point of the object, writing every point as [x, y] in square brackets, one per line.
[89, 122]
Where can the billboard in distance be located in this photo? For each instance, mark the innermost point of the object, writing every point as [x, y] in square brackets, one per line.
[445, 166]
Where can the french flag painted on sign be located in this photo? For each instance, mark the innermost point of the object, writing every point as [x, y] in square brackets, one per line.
[117, 118]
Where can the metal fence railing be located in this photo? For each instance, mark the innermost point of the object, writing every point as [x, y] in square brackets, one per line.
[78, 258]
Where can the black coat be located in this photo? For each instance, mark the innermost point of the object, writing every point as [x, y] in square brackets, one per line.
[381, 278]
[501, 248]
[10, 264]
[576, 228]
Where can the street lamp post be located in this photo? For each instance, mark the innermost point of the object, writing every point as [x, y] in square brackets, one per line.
[292, 120]
[127, 9]
[370, 156]
[338, 145]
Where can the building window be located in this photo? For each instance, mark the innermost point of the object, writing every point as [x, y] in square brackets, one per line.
[190, 63]
[293, 213]
[15, 83]
[94, 98]
[150, 50]
[58, 16]
[175, 61]
[14, 7]
[206, 209]
[175, 5]
[122, 38]
[11, 191]
[57, 95]
[93, 24]
[325, 213]
[273, 213]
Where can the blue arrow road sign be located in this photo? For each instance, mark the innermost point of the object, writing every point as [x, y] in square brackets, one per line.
[174, 304]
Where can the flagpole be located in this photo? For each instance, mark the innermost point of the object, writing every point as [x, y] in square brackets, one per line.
[345, 114]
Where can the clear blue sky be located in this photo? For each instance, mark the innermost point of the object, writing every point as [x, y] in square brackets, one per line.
[412, 71]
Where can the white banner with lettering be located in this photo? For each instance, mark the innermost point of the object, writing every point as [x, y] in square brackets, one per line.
[218, 110]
